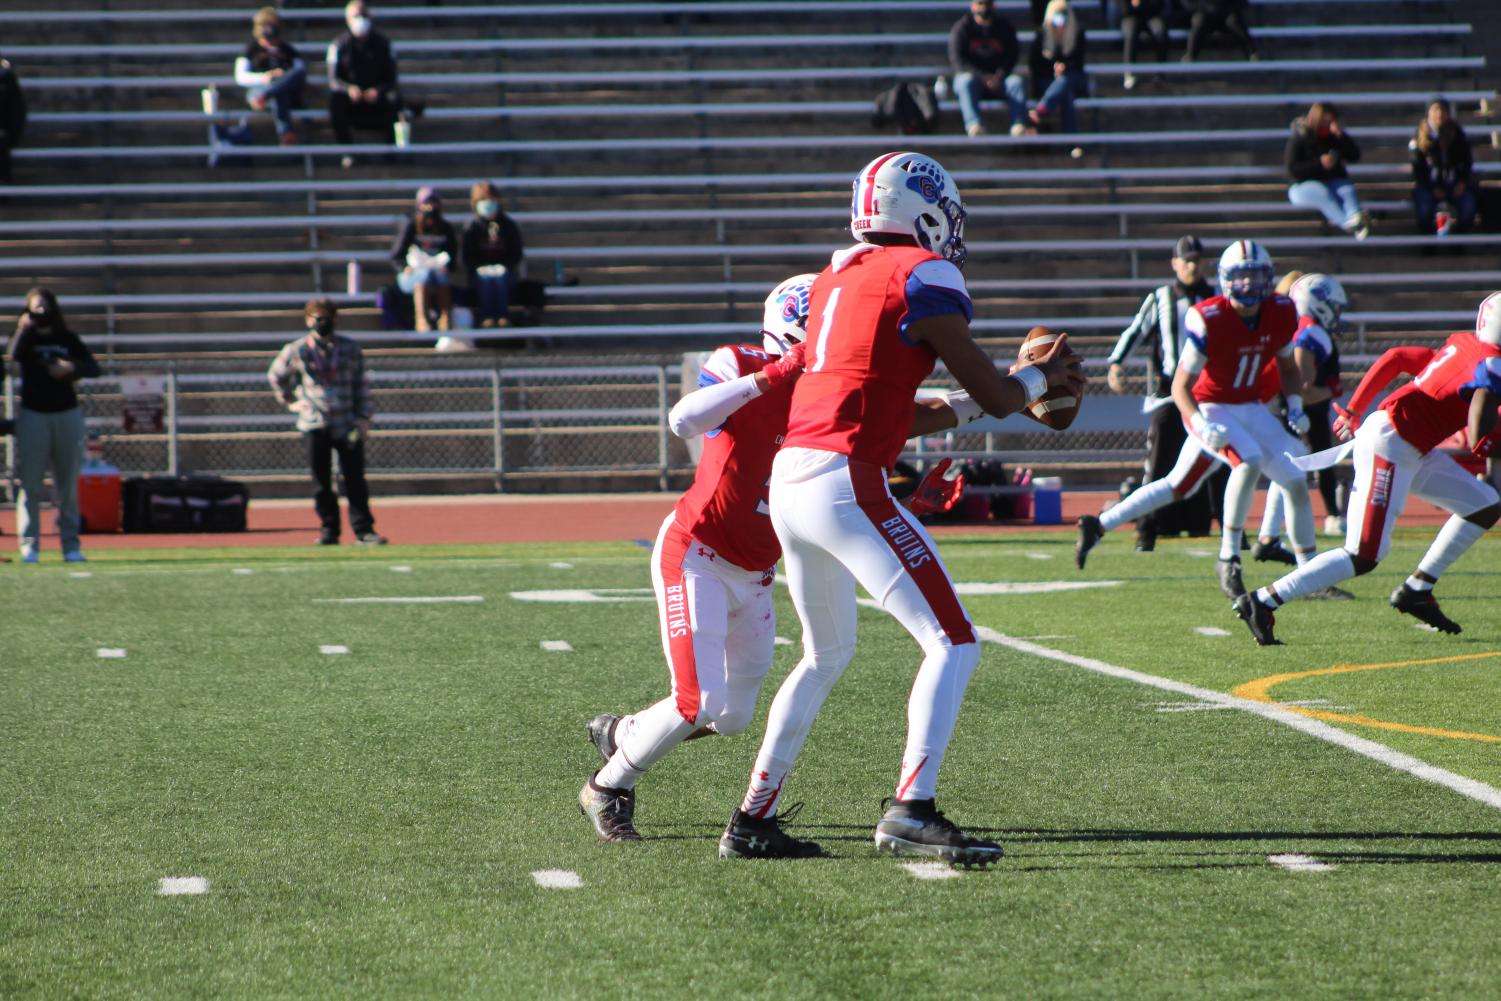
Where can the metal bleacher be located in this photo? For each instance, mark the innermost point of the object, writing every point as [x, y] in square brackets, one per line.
[674, 160]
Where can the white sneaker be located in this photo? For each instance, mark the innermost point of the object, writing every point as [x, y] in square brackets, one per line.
[29, 554]
[1334, 524]
[1077, 152]
[1129, 82]
[1018, 129]
[975, 130]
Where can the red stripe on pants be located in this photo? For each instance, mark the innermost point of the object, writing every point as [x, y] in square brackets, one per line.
[919, 562]
[1196, 472]
[677, 622]
[1377, 508]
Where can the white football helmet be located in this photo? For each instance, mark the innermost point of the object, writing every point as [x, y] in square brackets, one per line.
[1488, 319]
[1246, 275]
[785, 322]
[1322, 298]
[910, 195]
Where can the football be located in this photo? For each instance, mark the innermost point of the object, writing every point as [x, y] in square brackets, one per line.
[1056, 408]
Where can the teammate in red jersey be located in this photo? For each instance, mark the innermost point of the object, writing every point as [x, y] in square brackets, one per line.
[712, 567]
[1218, 387]
[1395, 452]
[882, 314]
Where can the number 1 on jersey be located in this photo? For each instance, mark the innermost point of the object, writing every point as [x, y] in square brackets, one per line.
[823, 330]
[1247, 370]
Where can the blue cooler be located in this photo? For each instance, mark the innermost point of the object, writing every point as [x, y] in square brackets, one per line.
[1047, 500]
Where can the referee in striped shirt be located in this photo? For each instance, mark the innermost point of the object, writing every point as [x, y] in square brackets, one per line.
[1159, 324]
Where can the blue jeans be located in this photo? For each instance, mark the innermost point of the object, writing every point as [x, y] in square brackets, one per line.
[44, 439]
[407, 279]
[969, 91]
[1336, 199]
[283, 95]
[492, 296]
[1425, 204]
[1061, 94]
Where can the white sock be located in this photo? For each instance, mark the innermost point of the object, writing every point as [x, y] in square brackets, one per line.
[1417, 583]
[787, 726]
[1143, 501]
[1271, 517]
[1239, 492]
[932, 710]
[641, 741]
[1452, 540]
[1300, 519]
[1324, 570]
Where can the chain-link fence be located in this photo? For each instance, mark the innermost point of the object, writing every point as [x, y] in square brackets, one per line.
[516, 426]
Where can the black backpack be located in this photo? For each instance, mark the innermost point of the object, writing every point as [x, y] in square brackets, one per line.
[909, 106]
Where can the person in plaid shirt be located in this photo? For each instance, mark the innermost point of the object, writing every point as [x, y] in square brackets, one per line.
[321, 378]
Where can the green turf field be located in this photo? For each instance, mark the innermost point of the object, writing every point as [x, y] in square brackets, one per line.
[369, 822]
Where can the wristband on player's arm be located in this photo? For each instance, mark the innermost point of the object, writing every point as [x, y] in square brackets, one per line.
[1487, 443]
[966, 410]
[1034, 383]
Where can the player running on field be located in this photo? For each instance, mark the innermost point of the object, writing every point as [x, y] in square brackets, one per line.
[713, 562]
[1217, 387]
[1395, 452]
[882, 314]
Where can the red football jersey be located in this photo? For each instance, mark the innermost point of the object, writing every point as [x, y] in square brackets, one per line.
[726, 506]
[1237, 356]
[856, 394]
[1436, 403]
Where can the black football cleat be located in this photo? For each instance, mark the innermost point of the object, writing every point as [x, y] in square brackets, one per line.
[1423, 606]
[602, 735]
[1230, 578]
[1330, 593]
[763, 837]
[1258, 618]
[1273, 552]
[1090, 533]
[612, 811]
[917, 827]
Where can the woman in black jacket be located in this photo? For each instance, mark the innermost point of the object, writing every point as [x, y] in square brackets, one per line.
[425, 250]
[1315, 158]
[492, 255]
[1057, 63]
[1442, 172]
[49, 424]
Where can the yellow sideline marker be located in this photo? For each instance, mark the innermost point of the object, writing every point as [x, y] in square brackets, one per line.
[1257, 691]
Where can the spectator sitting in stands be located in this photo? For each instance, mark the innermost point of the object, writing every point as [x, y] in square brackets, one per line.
[362, 84]
[272, 73]
[1137, 18]
[1442, 166]
[12, 116]
[983, 51]
[1315, 158]
[424, 251]
[1213, 17]
[492, 255]
[1058, 66]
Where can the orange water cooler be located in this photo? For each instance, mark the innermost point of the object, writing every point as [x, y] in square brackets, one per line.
[98, 494]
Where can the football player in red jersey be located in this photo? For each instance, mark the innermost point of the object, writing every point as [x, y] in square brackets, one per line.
[1395, 452]
[882, 314]
[712, 566]
[1231, 338]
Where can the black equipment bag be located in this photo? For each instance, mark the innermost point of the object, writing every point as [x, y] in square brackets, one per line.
[185, 504]
[909, 106]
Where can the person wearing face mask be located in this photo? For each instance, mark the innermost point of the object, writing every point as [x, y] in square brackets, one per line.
[425, 250]
[492, 252]
[1057, 62]
[362, 81]
[272, 73]
[49, 425]
[321, 378]
[1442, 172]
[1315, 158]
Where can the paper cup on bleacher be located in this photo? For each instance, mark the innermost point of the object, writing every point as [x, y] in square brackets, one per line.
[210, 100]
[403, 133]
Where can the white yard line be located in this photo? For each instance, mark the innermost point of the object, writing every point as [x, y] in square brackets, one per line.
[332, 649]
[443, 599]
[401, 569]
[178, 886]
[557, 646]
[1299, 863]
[560, 566]
[557, 879]
[781, 641]
[242, 571]
[1210, 631]
[931, 870]
[1468, 787]
[592, 595]
[1039, 556]
[111, 652]
[80, 575]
